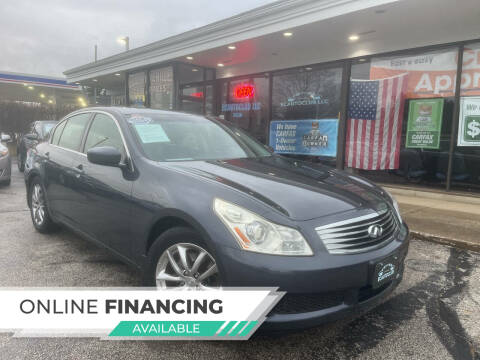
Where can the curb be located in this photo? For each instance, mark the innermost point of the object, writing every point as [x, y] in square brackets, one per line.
[462, 244]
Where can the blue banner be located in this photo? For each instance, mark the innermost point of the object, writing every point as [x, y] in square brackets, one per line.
[305, 137]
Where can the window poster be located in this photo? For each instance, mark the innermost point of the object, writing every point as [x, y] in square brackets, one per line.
[305, 137]
[136, 89]
[424, 124]
[432, 74]
[161, 88]
[469, 122]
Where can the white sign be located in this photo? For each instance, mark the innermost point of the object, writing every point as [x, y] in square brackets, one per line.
[135, 312]
[469, 122]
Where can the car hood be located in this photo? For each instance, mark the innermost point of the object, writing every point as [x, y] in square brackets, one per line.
[300, 190]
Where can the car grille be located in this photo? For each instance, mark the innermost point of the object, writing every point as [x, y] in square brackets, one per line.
[352, 236]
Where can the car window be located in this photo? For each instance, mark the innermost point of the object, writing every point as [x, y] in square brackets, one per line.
[72, 134]
[46, 128]
[189, 138]
[58, 132]
[104, 132]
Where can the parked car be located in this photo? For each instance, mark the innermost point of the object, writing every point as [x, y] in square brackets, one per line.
[5, 165]
[38, 132]
[194, 202]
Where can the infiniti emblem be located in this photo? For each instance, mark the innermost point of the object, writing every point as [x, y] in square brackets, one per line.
[375, 231]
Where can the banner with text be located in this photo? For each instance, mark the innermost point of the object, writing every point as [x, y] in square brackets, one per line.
[304, 137]
[432, 74]
[136, 313]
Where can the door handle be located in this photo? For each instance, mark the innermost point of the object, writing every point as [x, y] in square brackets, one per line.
[79, 171]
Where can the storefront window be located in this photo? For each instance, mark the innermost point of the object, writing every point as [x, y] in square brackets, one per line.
[245, 103]
[187, 73]
[305, 113]
[399, 117]
[161, 88]
[136, 89]
[192, 99]
[466, 155]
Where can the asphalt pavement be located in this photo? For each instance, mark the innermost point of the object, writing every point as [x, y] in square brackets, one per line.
[433, 314]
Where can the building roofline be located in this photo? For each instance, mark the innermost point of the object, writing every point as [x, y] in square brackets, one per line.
[263, 20]
[33, 79]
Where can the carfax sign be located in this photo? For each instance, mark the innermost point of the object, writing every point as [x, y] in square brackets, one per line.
[305, 137]
[469, 126]
[424, 124]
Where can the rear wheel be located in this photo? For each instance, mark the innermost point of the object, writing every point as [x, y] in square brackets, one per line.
[180, 260]
[38, 207]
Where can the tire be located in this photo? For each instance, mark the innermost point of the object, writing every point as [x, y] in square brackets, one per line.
[38, 208]
[190, 240]
[20, 163]
[6, 182]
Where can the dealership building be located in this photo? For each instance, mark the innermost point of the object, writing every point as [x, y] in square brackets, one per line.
[388, 89]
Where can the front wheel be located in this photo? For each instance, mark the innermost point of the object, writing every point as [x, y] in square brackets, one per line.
[179, 260]
[38, 208]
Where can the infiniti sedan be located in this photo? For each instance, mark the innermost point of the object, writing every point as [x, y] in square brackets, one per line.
[197, 203]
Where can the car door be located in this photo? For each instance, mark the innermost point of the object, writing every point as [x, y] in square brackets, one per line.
[59, 174]
[106, 190]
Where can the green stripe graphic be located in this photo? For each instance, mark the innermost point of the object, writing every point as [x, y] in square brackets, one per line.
[248, 328]
[227, 328]
[182, 328]
[239, 327]
[166, 328]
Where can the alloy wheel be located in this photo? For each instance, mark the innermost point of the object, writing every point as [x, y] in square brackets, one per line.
[186, 266]
[38, 205]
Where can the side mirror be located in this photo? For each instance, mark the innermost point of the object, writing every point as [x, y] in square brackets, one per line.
[6, 138]
[31, 136]
[104, 155]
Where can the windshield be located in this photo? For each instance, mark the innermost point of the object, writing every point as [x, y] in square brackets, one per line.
[185, 138]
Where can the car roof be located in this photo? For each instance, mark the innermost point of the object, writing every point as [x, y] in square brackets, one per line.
[122, 110]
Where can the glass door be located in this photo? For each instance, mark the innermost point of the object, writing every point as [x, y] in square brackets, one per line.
[197, 98]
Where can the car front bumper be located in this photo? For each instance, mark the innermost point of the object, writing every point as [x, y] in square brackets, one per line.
[319, 288]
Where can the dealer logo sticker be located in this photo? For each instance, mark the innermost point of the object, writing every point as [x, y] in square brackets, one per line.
[385, 272]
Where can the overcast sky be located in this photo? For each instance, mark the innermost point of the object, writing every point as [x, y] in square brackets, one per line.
[49, 36]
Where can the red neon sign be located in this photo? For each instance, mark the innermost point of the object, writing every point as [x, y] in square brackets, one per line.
[244, 91]
[197, 94]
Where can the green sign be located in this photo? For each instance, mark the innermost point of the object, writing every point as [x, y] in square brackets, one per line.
[184, 329]
[469, 126]
[424, 123]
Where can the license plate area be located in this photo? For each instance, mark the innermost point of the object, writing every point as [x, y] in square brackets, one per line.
[385, 271]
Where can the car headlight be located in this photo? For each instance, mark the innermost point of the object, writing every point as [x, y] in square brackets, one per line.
[257, 234]
[3, 152]
[395, 205]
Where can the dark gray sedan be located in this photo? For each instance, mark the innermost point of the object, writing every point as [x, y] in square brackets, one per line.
[5, 165]
[196, 203]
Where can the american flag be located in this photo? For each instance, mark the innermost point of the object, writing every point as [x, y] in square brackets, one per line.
[374, 126]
